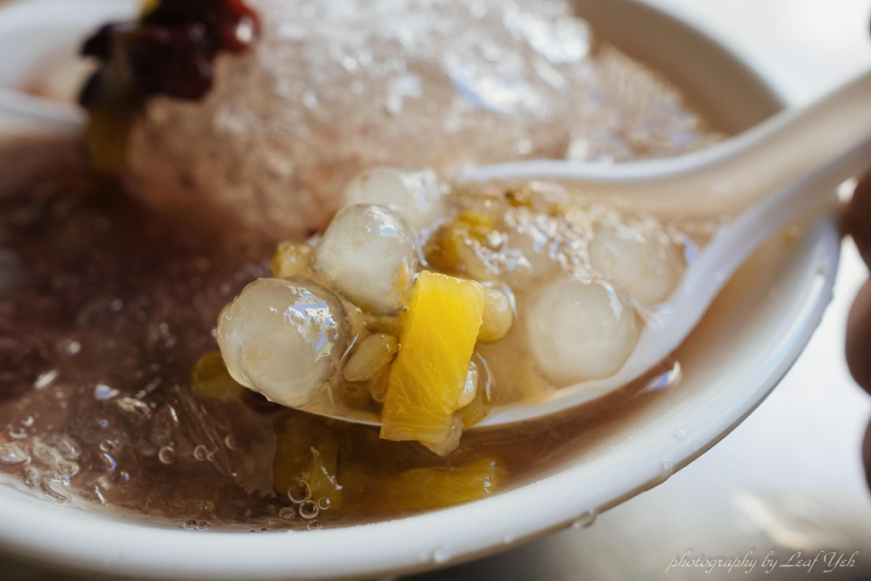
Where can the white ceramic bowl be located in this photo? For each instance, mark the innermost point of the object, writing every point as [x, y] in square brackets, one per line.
[763, 322]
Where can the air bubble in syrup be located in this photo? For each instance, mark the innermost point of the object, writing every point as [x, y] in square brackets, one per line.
[287, 513]
[324, 503]
[109, 462]
[308, 510]
[134, 407]
[200, 452]
[166, 455]
[17, 433]
[299, 491]
[314, 525]
[12, 453]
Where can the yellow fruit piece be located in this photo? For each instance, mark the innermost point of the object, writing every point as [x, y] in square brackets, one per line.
[465, 245]
[437, 487]
[290, 259]
[210, 379]
[148, 6]
[306, 455]
[427, 378]
[108, 131]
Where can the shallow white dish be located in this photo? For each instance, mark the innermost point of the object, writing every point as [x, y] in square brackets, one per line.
[744, 359]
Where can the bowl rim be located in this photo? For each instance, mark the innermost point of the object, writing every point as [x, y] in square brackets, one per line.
[74, 540]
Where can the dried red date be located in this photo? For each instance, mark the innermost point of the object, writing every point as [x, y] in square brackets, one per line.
[236, 27]
[99, 45]
[231, 24]
[170, 51]
[171, 62]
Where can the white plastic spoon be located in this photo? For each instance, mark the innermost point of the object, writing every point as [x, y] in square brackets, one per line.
[770, 176]
[767, 177]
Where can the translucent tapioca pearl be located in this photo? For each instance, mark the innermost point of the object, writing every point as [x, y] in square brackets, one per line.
[418, 196]
[470, 388]
[534, 236]
[284, 338]
[580, 329]
[498, 315]
[646, 265]
[367, 255]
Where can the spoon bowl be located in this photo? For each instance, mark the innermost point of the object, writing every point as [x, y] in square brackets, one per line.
[772, 175]
[764, 179]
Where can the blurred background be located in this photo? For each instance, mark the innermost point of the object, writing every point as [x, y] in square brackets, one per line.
[789, 478]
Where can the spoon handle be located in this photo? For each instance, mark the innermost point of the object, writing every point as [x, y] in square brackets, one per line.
[817, 143]
[21, 113]
[725, 178]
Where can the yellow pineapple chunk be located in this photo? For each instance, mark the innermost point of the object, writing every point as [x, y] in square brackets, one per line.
[437, 487]
[107, 134]
[428, 376]
[306, 456]
[210, 379]
[148, 6]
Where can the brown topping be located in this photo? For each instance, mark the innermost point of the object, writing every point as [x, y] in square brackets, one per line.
[170, 51]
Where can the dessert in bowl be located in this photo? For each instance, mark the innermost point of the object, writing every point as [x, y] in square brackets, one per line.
[624, 444]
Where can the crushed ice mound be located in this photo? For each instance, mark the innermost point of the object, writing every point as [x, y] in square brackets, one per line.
[338, 86]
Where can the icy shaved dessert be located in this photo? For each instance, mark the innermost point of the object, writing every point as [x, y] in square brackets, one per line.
[334, 88]
[154, 369]
[503, 282]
